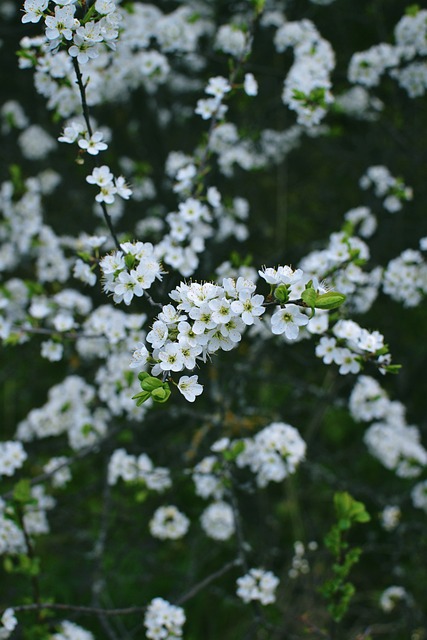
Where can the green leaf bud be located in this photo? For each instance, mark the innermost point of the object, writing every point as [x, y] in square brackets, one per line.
[329, 300]
[281, 293]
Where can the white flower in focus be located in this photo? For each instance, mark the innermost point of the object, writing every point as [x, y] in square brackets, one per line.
[189, 387]
[257, 585]
[288, 321]
[62, 24]
[72, 132]
[139, 357]
[93, 144]
[100, 176]
[168, 523]
[34, 10]
[122, 188]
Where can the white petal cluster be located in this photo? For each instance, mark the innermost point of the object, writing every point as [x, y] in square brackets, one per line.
[168, 523]
[207, 480]
[12, 457]
[403, 61]
[140, 468]
[8, 623]
[390, 517]
[419, 495]
[273, 454]
[126, 282]
[405, 278]
[307, 86]
[395, 444]
[163, 621]
[258, 585]
[59, 470]
[71, 631]
[104, 179]
[350, 342]
[204, 319]
[217, 521]
[391, 596]
[12, 539]
[392, 190]
[67, 411]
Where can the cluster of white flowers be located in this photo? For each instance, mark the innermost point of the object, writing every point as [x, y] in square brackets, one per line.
[213, 107]
[35, 143]
[419, 495]
[137, 469]
[12, 457]
[35, 518]
[367, 67]
[357, 342]
[405, 278]
[67, 411]
[168, 523]
[217, 521]
[206, 478]
[300, 563]
[12, 540]
[258, 585]
[273, 454]
[391, 189]
[163, 621]
[59, 469]
[71, 631]
[232, 40]
[108, 184]
[82, 38]
[189, 227]
[8, 623]
[391, 596]
[130, 272]
[390, 517]
[111, 67]
[207, 317]
[390, 439]
[340, 262]
[307, 85]
[358, 103]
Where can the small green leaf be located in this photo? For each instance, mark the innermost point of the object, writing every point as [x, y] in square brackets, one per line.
[22, 491]
[150, 383]
[309, 297]
[129, 260]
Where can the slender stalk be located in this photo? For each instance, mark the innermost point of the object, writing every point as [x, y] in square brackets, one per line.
[86, 116]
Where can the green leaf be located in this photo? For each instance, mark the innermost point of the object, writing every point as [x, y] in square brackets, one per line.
[150, 383]
[22, 491]
[161, 394]
[309, 296]
[129, 260]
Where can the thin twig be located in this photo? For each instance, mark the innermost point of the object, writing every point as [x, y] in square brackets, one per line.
[86, 116]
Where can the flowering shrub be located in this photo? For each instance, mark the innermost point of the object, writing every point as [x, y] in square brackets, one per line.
[213, 254]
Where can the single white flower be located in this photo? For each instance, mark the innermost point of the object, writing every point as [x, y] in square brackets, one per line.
[190, 387]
